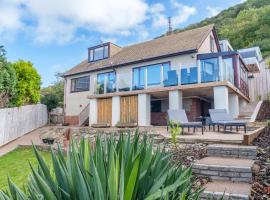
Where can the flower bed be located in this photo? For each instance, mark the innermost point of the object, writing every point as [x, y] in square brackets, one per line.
[261, 185]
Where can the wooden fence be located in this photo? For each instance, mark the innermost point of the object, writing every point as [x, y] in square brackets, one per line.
[259, 85]
[15, 122]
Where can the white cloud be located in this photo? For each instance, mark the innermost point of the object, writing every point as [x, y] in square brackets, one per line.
[62, 21]
[213, 11]
[58, 20]
[184, 12]
[159, 19]
[181, 14]
[10, 14]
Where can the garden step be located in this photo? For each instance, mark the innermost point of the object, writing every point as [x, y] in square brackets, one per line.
[230, 190]
[227, 169]
[232, 151]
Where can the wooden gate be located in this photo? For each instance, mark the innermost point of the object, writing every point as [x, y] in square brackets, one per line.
[129, 110]
[104, 111]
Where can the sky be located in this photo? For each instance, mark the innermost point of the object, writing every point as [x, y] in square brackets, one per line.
[55, 34]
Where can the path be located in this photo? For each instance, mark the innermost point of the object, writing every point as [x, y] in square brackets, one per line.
[24, 140]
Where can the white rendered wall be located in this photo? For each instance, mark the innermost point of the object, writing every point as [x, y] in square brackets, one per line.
[221, 98]
[144, 110]
[115, 110]
[233, 105]
[242, 103]
[93, 112]
[76, 102]
[175, 100]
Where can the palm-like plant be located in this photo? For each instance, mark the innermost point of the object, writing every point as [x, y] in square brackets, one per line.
[125, 169]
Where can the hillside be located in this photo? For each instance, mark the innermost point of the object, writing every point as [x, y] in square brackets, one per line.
[244, 25]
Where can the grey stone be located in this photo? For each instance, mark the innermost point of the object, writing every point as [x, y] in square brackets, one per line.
[238, 179]
[229, 174]
[209, 172]
[246, 175]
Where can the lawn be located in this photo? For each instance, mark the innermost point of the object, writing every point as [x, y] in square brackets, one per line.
[15, 164]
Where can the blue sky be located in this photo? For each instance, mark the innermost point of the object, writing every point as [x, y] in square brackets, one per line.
[55, 34]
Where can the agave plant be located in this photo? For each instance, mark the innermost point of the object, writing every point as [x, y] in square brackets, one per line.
[126, 168]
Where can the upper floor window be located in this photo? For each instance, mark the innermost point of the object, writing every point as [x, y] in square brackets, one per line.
[153, 74]
[209, 70]
[106, 83]
[80, 84]
[98, 53]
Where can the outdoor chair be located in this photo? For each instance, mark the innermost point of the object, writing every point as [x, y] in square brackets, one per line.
[180, 117]
[220, 117]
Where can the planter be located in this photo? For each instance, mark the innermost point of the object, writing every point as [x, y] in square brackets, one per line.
[50, 141]
[45, 140]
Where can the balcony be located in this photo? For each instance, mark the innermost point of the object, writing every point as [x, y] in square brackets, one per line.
[212, 67]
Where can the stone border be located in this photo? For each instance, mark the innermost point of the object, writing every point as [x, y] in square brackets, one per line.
[249, 137]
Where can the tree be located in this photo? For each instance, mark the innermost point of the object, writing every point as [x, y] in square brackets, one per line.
[53, 96]
[28, 84]
[7, 80]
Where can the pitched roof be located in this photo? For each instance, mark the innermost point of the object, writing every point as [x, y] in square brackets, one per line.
[174, 44]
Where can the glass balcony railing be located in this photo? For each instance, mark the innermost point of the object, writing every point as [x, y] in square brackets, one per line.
[189, 75]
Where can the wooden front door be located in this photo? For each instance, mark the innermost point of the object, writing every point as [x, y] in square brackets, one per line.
[129, 110]
[104, 114]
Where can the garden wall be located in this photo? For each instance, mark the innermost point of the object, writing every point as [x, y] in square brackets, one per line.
[15, 122]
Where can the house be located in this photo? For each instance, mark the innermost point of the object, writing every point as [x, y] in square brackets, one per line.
[137, 84]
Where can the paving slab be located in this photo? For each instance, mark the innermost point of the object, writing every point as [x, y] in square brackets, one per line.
[231, 146]
[27, 139]
[230, 162]
[228, 187]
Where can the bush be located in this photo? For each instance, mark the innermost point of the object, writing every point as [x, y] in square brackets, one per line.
[53, 96]
[28, 84]
[175, 129]
[125, 169]
[7, 80]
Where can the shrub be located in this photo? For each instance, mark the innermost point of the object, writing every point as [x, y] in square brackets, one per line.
[53, 95]
[175, 129]
[28, 84]
[122, 169]
[7, 80]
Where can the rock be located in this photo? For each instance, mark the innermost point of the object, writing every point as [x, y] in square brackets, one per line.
[262, 176]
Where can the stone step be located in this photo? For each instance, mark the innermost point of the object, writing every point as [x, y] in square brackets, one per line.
[227, 169]
[232, 151]
[229, 190]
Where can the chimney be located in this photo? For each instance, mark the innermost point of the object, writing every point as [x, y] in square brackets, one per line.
[169, 32]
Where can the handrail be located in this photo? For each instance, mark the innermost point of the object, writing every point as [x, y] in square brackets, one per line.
[84, 114]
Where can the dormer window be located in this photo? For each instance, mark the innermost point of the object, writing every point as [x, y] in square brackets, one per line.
[99, 52]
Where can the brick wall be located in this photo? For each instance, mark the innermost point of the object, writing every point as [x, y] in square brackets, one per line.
[159, 118]
[72, 120]
[195, 109]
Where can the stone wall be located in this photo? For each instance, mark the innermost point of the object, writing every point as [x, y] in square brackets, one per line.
[15, 122]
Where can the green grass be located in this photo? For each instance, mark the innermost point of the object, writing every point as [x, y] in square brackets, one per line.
[15, 164]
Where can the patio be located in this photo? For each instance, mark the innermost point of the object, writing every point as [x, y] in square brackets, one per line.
[161, 133]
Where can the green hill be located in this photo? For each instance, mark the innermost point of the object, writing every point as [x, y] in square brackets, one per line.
[244, 25]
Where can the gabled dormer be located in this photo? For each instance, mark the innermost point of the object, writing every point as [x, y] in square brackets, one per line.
[102, 51]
